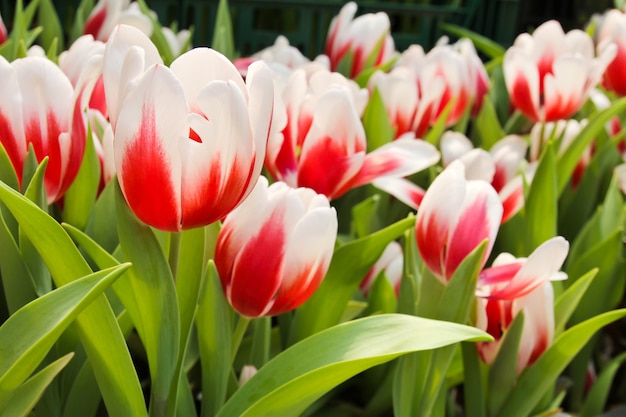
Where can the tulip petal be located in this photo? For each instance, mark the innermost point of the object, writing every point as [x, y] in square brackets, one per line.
[542, 265]
[217, 172]
[334, 148]
[147, 148]
[481, 213]
[116, 72]
[399, 158]
[438, 214]
[11, 123]
[522, 80]
[402, 189]
[199, 66]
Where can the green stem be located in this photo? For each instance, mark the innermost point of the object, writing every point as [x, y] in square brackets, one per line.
[175, 240]
[240, 330]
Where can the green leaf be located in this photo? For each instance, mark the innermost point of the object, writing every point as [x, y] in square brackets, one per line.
[158, 38]
[223, 40]
[349, 265]
[382, 296]
[569, 159]
[503, 371]
[213, 321]
[378, 128]
[365, 216]
[27, 336]
[81, 196]
[536, 380]
[596, 398]
[27, 395]
[474, 393]
[567, 302]
[155, 295]
[102, 226]
[83, 398]
[485, 45]
[97, 326]
[541, 206]
[49, 20]
[82, 13]
[293, 380]
[487, 125]
[437, 129]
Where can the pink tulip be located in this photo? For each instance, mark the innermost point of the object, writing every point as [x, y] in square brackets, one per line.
[512, 285]
[189, 145]
[454, 217]
[274, 250]
[39, 108]
[612, 30]
[550, 74]
[367, 38]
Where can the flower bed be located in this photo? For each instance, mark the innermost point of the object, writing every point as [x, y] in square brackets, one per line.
[384, 229]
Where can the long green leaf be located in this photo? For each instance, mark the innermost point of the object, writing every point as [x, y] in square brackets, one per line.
[597, 396]
[290, 382]
[223, 40]
[27, 336]
[485, 45]
[541, 206]
[487, 125]
[349, 265]
[567, 302]
[26, 396]
[503, 371]
[49, 19]
[378, 129]
[536, 380]
[97, 326]
[213, 321]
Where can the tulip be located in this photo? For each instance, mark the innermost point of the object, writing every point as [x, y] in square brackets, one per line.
[391, 261]
[512, 285]
[420, 86]
[564, 131]
[3, 32]
[500, 166]
[323, 144]
[550, 74]
[612, 30]
[359, 41]
[109, 13]
[189, 145]
[39, 108]
[274, 250]
[454, 217]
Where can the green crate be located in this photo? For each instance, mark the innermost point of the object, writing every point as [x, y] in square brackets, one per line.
[257, 23]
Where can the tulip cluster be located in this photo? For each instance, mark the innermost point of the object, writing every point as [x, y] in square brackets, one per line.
[354, 207]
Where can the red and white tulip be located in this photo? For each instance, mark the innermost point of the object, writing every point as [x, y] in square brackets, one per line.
[550, 74]
[612, 30]
[109, 13]
[364, 39]
[274, 250]
[40, 108]
[454, 217]
[189, 145]
[391, 262]
[512, 285]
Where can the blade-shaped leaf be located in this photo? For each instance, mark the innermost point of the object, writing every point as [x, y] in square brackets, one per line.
[26, 396]
[223, 33]
[378, 129]
[536, 380]
[27, 336]
[290, 382]
[567, 302]
[597, 396]
[97, 326]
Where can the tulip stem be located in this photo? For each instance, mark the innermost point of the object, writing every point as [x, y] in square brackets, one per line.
[175, 241]
[240, 330]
